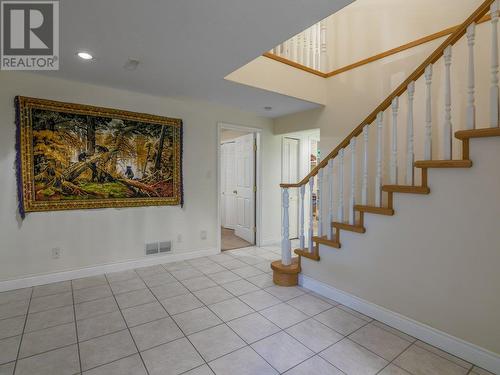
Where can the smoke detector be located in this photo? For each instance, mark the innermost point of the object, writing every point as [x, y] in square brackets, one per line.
[131, 65]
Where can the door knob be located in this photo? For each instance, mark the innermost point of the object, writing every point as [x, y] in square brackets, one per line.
[235, 192]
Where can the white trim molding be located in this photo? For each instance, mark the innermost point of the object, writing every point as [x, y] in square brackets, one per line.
[103, 268]
[258, 178]
[458, 347]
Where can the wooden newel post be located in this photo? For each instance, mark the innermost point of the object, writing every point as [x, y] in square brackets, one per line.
[286, 255]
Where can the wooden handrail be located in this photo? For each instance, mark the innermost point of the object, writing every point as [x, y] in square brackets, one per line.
[294, 64]
[435, 56]
[378, 56]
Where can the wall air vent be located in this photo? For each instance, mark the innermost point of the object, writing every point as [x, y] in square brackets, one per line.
[165, 246]
[152, 248]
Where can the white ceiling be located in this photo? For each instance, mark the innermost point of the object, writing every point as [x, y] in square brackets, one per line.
[186, 47]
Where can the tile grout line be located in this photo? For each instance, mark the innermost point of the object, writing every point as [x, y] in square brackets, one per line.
[223, 323]
[128, 329]
[261, 339]
[22, 333]
[170, 316]
[76, 329]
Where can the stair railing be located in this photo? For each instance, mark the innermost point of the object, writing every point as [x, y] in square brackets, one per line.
[308, 48]
[336, 158]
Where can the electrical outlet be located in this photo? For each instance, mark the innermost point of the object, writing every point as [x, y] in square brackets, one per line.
[203, 234]
[56, 253]
[179, 237]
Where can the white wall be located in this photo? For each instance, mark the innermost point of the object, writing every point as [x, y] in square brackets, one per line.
[93, 237]
[268, 74]
[229, 135]
[368, 27]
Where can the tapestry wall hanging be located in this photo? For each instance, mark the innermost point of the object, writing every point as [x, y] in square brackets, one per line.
[72, 156]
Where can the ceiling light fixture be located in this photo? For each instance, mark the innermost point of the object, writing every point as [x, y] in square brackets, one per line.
[85, 55]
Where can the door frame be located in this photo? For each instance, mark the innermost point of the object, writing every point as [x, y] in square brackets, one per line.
[258, 178]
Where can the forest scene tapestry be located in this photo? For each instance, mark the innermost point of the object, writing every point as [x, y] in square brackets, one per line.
[72, 156]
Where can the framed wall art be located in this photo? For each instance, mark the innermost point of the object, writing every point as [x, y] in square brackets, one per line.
[73, 156]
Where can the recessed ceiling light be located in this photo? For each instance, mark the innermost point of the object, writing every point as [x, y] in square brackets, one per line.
[268, 108]
[85, 55]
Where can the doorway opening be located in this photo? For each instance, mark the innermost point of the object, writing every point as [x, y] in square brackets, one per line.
[238, 181]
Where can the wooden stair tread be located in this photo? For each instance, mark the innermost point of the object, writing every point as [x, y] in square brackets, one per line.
[325, 241]
[306, 254]
[375, 210]
[351, 228]
[443, 164]
[408, 189]
[478, 133]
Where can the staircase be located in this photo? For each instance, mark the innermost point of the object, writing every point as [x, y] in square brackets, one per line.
[339, 208]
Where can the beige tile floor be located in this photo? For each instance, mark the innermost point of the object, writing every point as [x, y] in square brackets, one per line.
[230, 241]
[214, 315]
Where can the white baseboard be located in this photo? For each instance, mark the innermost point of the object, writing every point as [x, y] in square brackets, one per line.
[458, 347]
[102, 268]
[270, 242]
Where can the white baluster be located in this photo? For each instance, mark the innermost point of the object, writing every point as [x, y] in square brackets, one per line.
[471, 107]
[301, 230]
[428, 113]
[364, 188]
[394, 142]
[323, 53]
[311, 48]
[340, 214]
[286, 46]
[291, 49]
[317, 46]
[330, 199]
[352, 200]
[311, 218]
[494, 96]
[305, 48]
[378, 176]
[280, 49]
[300, 48]
[410, 139]
[286, 254]
[319, 202]
[447, 106]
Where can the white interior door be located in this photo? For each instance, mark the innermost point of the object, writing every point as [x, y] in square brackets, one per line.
[245, 185]
[228, 184]
[290, 174]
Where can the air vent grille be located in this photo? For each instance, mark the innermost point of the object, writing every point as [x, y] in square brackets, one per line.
[165, 246]
[152, 248]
